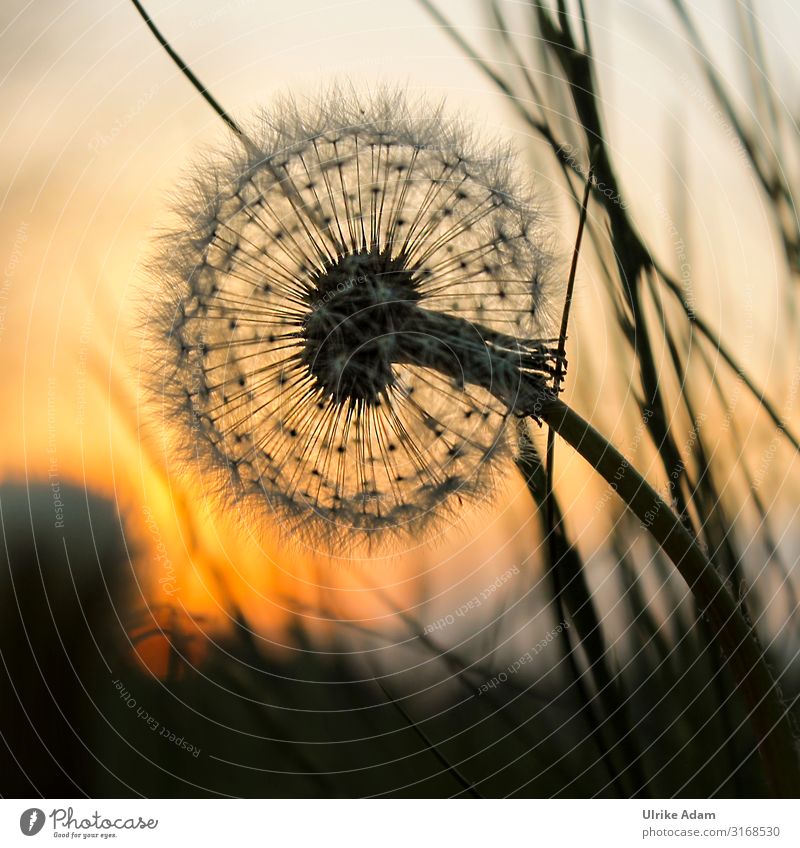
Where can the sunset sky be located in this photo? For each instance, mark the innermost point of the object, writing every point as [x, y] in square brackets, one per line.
[99, 125]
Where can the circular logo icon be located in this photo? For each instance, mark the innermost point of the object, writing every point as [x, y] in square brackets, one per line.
[31, 821]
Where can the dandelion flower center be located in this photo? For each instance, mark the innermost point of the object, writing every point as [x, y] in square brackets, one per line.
[359, 304]
[351, 309]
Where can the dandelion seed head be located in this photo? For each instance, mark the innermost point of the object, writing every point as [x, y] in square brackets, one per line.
[344, 310]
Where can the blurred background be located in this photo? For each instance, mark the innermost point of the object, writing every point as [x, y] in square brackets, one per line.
[154, 645]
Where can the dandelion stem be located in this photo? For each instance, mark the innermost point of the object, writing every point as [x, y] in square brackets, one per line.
[572, 580]
[186, 70]
[562, 340]
[768, 716]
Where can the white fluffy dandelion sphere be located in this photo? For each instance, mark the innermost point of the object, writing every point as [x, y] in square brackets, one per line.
[349, 312]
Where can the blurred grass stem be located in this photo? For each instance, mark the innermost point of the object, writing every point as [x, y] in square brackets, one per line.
[735, 638]
[186, 70]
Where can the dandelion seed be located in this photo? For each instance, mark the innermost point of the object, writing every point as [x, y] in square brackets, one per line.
[353, 307]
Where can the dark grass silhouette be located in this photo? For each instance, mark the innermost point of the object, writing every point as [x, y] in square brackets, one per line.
[310, 724]
[656, 713]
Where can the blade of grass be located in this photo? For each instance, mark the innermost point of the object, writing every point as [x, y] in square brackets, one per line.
[572, 597]
[186, 70]
[452, 769]
[563, 556]
[630, 244]
[733, 635]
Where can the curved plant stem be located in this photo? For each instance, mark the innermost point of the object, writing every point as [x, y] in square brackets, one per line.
[562, 338]
[186, 70]
[634, 246]
[734, 636]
